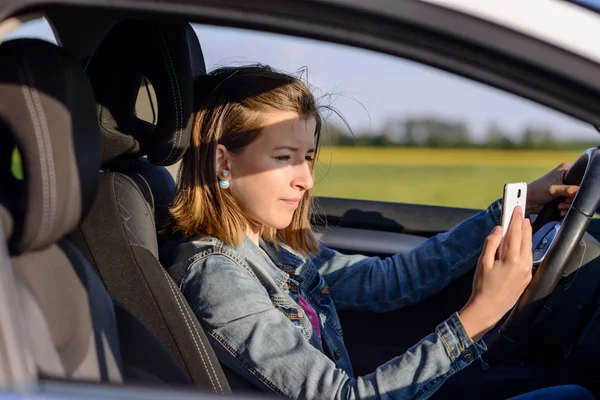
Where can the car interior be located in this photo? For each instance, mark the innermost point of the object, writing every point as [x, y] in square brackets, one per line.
[85, 238]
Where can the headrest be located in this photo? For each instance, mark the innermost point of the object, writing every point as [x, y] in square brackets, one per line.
[47, 110]
[167, 54]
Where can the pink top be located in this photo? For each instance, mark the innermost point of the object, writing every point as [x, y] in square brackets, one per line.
[312, 315]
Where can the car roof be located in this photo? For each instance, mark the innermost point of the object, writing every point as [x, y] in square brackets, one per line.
[565, 24]
[572, 25]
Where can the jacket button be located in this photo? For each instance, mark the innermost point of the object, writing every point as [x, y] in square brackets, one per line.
[337, 354]
[466, 355]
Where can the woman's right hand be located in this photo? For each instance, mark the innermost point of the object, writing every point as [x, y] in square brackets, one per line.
[499, 283]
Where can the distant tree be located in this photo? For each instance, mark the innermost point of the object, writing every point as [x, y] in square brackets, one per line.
[497, 138]
[334, 135]
[382, 140]
[415, 134]
[435, 132]
[410, 139]
[394, 129]
[445, 133]
[528, 139]
[537, 138]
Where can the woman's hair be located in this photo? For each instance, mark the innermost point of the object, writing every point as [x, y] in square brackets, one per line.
[229, 106]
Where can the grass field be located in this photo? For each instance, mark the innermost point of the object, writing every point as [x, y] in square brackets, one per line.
[449, 177]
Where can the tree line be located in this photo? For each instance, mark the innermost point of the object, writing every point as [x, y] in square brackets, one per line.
[439, 133]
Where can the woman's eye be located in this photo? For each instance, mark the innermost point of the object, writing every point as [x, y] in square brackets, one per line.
[310, 158]
[283, 158]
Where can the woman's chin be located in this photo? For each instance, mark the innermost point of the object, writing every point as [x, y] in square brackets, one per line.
[280, 223]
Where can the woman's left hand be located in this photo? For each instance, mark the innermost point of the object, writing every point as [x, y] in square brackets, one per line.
[549, 187]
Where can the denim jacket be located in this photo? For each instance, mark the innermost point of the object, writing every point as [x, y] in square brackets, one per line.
[247, 300]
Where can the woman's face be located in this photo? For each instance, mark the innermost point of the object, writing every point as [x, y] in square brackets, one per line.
[270, 175]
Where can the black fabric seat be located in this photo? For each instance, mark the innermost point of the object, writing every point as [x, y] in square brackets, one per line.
[67, 319]
[160, 191]
[119, 235]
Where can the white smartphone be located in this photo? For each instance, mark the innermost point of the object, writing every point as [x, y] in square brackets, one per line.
[515, 195]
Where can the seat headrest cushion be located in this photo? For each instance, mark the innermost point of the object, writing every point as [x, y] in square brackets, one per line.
[47, 110]
[161, 52]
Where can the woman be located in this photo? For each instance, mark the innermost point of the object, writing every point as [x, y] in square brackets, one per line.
[265, 290]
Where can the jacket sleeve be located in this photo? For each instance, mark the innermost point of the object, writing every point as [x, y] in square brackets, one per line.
[258, 342]
[381, 285]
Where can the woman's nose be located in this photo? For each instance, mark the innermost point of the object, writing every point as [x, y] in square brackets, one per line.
[304, 179]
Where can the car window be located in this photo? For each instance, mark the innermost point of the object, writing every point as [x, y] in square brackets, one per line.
[37, 28]
[409, 133]
[146, 106]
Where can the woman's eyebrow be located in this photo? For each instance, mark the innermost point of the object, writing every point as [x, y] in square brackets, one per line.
[292, 148]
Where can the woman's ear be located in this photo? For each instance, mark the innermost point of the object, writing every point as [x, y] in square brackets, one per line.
[222, 160]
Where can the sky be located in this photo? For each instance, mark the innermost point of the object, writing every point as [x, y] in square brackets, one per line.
[368, 88]
[591, 3]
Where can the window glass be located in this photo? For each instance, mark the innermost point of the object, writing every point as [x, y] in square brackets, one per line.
[417, 134]
[37, 28]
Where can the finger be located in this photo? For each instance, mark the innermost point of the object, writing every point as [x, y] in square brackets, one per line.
[513, 235]
[564, 166]
[490, 247]
[565, 205]
[563, 213]
[526, 239]
[563, 190]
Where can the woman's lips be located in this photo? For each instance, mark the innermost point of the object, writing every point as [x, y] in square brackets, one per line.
[292, 202]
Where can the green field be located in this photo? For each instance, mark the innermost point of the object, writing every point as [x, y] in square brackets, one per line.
[449, 177]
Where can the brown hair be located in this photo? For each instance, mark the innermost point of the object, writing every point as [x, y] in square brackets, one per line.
[229, 104]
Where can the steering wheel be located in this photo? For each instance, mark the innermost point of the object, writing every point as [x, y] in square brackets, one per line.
[567, 235]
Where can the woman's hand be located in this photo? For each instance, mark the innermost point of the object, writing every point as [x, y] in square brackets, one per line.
[499, 283]
[549, 187]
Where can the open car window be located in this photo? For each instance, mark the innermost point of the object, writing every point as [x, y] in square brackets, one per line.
[409, 133]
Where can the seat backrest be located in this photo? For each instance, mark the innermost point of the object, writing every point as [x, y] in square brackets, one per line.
[47, 112]
[158, 187]
[119, 234]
